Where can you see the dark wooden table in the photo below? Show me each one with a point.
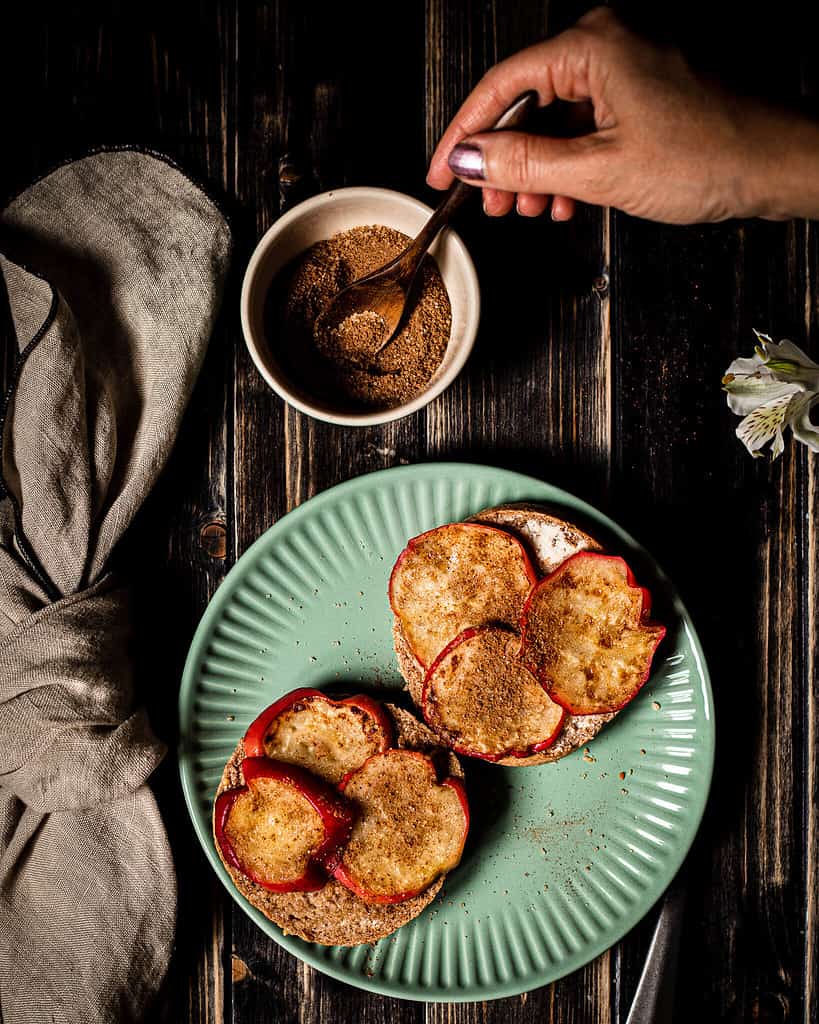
(598, 368)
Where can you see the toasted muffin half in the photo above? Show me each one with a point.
(334, 915)
(549, 541)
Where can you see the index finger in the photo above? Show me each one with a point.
(557, 68)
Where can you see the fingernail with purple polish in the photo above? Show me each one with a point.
(466, 160)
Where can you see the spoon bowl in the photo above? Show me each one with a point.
(381, 300)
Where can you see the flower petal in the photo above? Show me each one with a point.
(778, 445)
(763, 424)
(742, 367)
(800, 422)
(746, 394)
(776, 387)
(787, 362)
(788, 351)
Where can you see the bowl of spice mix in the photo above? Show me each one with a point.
(311, 253)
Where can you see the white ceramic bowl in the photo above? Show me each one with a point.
(325, 215)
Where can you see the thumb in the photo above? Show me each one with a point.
(519, 162)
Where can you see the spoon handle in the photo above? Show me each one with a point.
(513, 117)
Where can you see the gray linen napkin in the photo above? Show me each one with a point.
(129, 259)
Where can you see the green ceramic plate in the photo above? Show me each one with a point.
(562, 859)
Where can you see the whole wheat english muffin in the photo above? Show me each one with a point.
(549, 541)
(334, 915)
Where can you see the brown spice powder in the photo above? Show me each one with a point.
(304, 289)
(356, 337)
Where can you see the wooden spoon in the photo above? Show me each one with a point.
(384, 293)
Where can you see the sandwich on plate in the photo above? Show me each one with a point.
(518, 636)
(339, 819)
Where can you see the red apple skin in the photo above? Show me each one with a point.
(527, 561)
(254, 737)
(340, 872)
(536, 748)
(645, 609)
(335, 813)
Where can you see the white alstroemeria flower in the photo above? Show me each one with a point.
(775, 388)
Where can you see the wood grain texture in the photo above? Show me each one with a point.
(735, 536)
(536, 395)
(311, 129)
(688, 491)
(809, 626)
(808, 621)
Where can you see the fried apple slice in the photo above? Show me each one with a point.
(587, 636)
(409, 828)
(484, 702)
(284, 828)
(328, 737)
(456, 577)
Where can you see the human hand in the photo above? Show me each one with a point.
(668, 145)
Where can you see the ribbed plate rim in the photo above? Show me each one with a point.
(555, 496)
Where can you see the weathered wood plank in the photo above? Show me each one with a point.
(808, 622)
(195, 111)
(312, 127)
(536, 394)
(810, 630)
(726, 529)
(810, 967)
(689, 491)
(315, 122)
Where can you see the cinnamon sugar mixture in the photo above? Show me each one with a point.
(331, 367)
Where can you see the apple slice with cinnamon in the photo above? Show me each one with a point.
(284, 829)
(587, 635)
(328, 737)
(484, 702)
(409, 830)
(456, 577)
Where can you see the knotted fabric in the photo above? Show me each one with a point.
(113, 267)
